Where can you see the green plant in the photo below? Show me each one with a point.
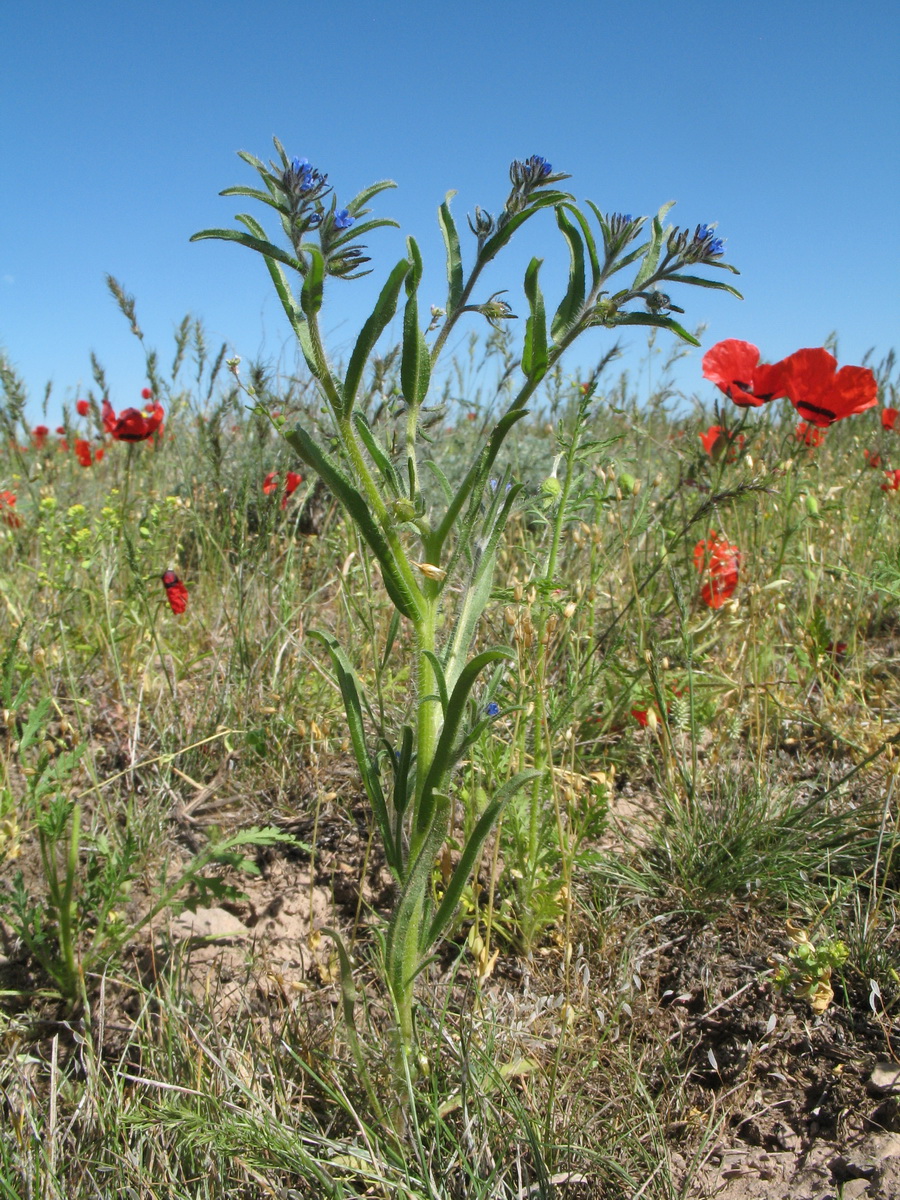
(425, 552)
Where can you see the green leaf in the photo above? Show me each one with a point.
(401, 763)
(699, 281)
(313, 290)
(393, 630)
(378, 455)
(651, 259)
(356, 205)
(261, 246)
(385, 307)
(254, 194)
(454, 254)
(588, 239)
(659, 321)
(282, 287)
(535, 355)
(368, 769)
(398, 588)
(406, 920)
(573, 301)
(34, 726)
(478, 592)
(358, 231)
(441, 682)
(415, 363)
(471, 850)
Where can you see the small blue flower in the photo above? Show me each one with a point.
(493, 709)
(343, 219)
(713, 246)
(539, 165)
(303, 172)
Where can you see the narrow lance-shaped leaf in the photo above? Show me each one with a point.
(415, 362)
(356, 205)
(699, 281)
(439, 679)
(386, 468)
(589, 241)
(398, 588)
(347, 681)
(654, 319)
(282, 287)
(651, 259)
(403, 960)
(253, 194)
(252, 243)
(385, 307)
(471, 850)
(454, 254)
(535, 354)
(573, 301)
(313, 290)
(401, 762)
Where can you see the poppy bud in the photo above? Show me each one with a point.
(812, 506)
(551, 487)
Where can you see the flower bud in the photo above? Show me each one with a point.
(551, 487)
(812, 506)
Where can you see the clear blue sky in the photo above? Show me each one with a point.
(779, 120)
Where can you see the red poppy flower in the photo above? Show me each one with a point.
(291, 482)
(39, 434)
(872, 460)
(889, 417)
(82, 407)
(821, 393)
(146, 394)
(735, 369)
(809, 435)
(132, 425)
(640, 715)
(85, 454)
(720, 563)
(176, 592)
(716, 441)
(893, 481)
(7, 515)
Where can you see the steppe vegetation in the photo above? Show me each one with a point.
(395, 806)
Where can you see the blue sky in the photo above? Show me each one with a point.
(778, 120)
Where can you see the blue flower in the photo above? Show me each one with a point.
(493, 709)
(303, 174)
(343, 219)
(539, 165)
(712, 245)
